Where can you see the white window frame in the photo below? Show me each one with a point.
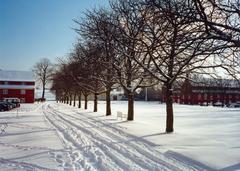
(5, 91)
(22, 91)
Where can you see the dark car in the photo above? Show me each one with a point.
(10, 105)
(237, 104)
(14, 101)
(4, 107)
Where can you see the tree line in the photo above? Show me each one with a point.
(134, 44)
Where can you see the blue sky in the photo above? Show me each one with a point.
(35, 29)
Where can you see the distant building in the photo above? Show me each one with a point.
(49, 95)
(117, 94)
(208, 92)
(17, 84)
(149, 94)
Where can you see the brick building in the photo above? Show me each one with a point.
(17, 84)
(208, 92)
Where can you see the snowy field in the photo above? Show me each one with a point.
(53, 136)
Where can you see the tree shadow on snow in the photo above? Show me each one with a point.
(188, 161)
(231, 168)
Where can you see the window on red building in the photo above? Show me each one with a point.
(5, 91)
(23, 92)
(205, 96)
(199, 96)
(211, 97)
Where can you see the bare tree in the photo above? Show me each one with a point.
(175, 46)
(97, 28)
(86, 69)
(129, 23)
(221, 19)
(43, 72)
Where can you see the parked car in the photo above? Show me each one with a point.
(4, 107)
(40, 99)
(13, 100)
(237, 104)
(10, 105)
(204, 104)
(218, 104)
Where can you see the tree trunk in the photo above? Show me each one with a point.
(130, 106)
(169, 109)
(74, 100)
(95, 102)
(67, 100)
(108, 103)
(70, 100)
(43, 92)
(79, 101)
(85, 101)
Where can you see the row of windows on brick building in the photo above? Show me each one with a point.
(5, 92)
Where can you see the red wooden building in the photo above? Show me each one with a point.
(208, 92)
(17, 84)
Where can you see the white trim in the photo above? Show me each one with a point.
(5, 91)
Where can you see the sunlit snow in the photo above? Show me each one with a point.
(53, 136)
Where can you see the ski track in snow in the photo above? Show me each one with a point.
(22, 166)
(94, 145)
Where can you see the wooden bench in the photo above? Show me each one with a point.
(121, 115)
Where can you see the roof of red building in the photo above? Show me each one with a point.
(26, 76)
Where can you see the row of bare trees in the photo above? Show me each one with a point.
(141, 43)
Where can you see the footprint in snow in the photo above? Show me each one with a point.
(59, 160)
(51, 153)
(59, 156)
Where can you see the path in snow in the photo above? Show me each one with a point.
(92, 144)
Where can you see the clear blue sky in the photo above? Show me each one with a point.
(35, 29)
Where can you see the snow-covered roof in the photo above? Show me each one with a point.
(27, 87)
(26, 76)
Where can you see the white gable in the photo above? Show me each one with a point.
(26, 76)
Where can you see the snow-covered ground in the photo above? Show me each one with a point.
(48, 94)
(52, 136)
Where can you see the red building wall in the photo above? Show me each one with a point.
(189, 94)
(28, 97)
